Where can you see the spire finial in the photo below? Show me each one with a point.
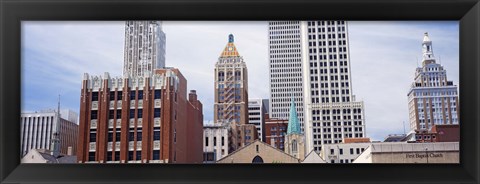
(230, 38)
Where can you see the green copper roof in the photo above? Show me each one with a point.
(293, 122)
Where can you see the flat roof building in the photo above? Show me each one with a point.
(145, 119)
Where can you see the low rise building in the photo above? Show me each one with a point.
(215, 142)
(345, 152)
(258, 152)
(402, 152)
(42, 156)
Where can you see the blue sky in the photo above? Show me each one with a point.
(383, 59)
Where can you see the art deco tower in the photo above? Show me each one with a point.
(144, 48)
(311, 60)
(432, 99)
(231, 95)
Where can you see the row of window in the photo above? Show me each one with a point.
(117, 95)
(116, 155)
(111, 113)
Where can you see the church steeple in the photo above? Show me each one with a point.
(428, 56)
(230, 50)
(293, 122)
(55, 141)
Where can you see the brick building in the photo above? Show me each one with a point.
(439, 133)
(139, 119)
(275, 130)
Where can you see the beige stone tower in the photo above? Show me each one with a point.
(231, 96)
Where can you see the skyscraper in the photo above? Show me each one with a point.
(311, 60)
(432, 99)
(286, 69)
(144, 47)
(231, 96)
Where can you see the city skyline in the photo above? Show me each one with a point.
(46, 45)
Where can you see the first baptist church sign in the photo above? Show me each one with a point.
(423, 155)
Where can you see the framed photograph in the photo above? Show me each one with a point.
(97, 90)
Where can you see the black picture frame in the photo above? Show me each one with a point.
(12, 12)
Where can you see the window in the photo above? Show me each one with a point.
(132, 113)
(131, 135)
(93, 115)
(257, 149)
(156, 113)
(140, 94)
(332, 151)
(139, 155)
(94, 96)
(110, 137)
(139, 113)
(117, 155)
(112, 95)
(156, 135)
(223, 141)
(93, 137)
(341, 151)
(117, 136)
(206, 141)
(158, 94)
(156, 154)
(119, 95)
(130, 155)
(358, 150)
(351, 151)
(109, 156)
(132, 95)
(119, 114)
(139, 136)
(91, 156)
(214, 141)
(111, 114)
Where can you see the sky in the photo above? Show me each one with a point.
(383, 57)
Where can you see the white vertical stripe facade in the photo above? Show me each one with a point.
(285, 69)
(37, 129)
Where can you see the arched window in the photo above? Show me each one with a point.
(294, 146)
(257, 160)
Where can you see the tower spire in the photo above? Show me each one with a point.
(293, 122)
(230, 50)
(428, 56)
